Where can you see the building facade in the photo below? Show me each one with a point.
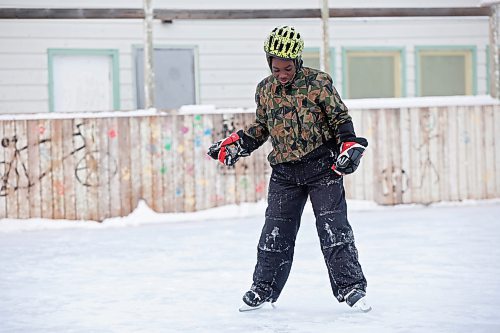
(97, 64)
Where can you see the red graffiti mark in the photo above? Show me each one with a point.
(260, 187)
(41, 130)
(217, 199)
(112, 133)
(184, 130)
(59, 187)
(190, 170)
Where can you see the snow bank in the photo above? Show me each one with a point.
(143, 214)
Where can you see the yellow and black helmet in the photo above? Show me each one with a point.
(284, 42)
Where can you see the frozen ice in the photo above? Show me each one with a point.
(429, 269)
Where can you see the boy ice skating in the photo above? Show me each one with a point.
(314, 145)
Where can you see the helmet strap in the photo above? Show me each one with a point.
(298, 62)
(269, 61)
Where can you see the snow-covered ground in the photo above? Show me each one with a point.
(429, 269)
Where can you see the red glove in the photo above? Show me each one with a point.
(228, 151)
(350, 156)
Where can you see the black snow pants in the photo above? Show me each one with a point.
(290, 186)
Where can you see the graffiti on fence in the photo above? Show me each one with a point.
(198, 130)
(427, 167)
(112, 133)
(392, 178)
(465, 137)
(15, 171)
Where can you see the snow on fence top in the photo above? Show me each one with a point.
(420, 102)
(353, 104)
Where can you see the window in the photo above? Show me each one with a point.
(175, 76)
(83, 80)
(373, 73)
(312, 58)
(445, 71)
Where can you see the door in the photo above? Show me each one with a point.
(83, 80)
(175, 82)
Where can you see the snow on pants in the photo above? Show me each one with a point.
(290, 186)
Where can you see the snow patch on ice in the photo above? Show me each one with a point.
(275, 233)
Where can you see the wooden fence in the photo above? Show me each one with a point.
(99, 167)
(425, 155)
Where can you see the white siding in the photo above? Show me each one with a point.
(230, 56)
(24, 60)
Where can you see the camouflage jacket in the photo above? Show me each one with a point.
(298, 117)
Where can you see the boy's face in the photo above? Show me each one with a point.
(283, 70)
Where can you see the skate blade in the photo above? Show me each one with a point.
(362, 305)
(245, 307)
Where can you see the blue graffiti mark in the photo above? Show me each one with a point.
(197, 141)
(207, 132)
(151, 148)
(178, 191)
(44, 152)
(466, 137)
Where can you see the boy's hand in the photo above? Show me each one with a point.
(228, 151)
(350, 155)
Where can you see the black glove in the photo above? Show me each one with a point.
(229, 150)
(351, 152)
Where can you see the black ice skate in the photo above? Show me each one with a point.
(255, 298)
(357, 299)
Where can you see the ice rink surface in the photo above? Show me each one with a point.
(429, 269)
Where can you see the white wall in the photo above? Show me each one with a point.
(24, 60)
(231, 60)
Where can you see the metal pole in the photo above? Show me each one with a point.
(494, 51)
(325, 16)
(149, 76)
